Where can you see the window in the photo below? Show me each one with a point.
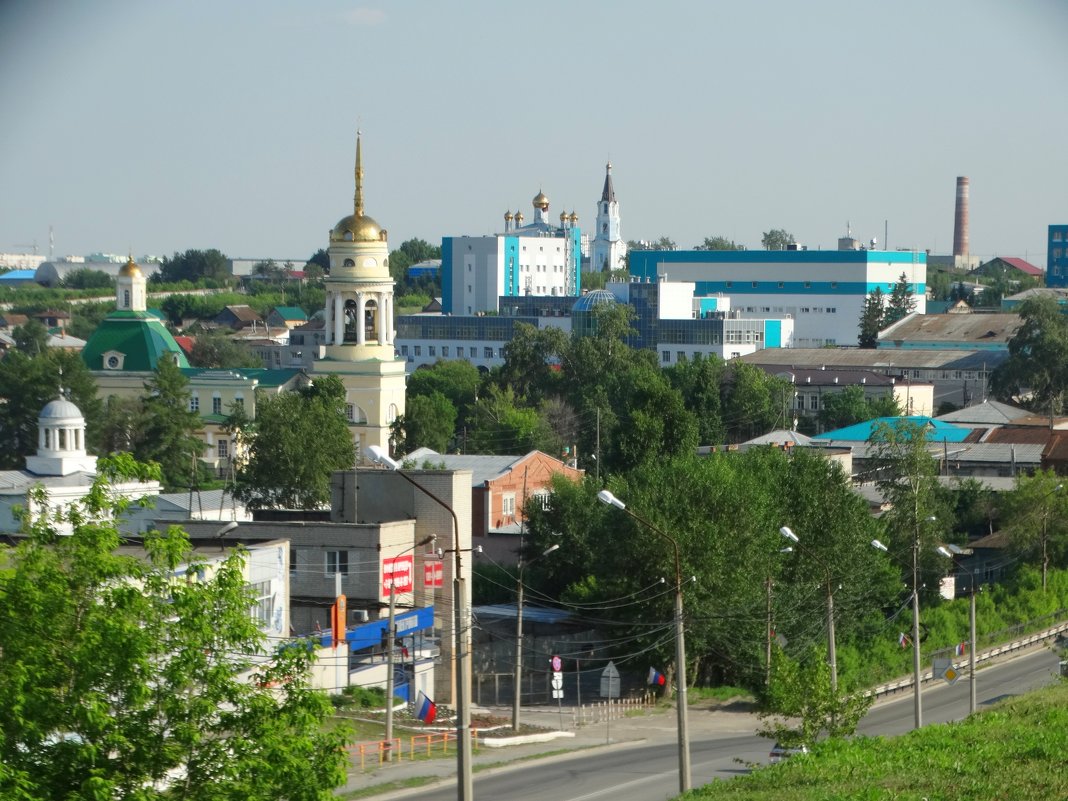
(814, 402)
(222, 448)
(729, 284)
(665, 356)
(508, 505)
(541, 497)
(418, 350)
(350, 412)
(404, 350)
(680, 355)
(756, 284)
(808, 285)
(194, 403)
(262, 602)
(337, 562)
(432, 350)
(293, 562)
(1058, 236)
(473, 352)
(487, 353)
(781, 285)
(445, 351)
(216, 405)
(239, 402)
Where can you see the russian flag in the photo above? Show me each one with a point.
(425, 709)
(656, 678)
(962, 648)
(904, 640)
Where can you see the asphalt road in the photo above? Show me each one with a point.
(648, 771)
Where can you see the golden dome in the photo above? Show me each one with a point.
(541, 201)
(563, 216)
(508, 215)
(574, 217)
(356, 229)
(519, 216)
(130, 269)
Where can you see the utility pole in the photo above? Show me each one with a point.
(767, 644)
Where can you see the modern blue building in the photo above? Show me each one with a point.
(1057, 256)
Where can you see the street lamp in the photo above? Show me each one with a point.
(604, 496)
(951, 552)
(389, 648)
(519, 633)
(1045, 526)
(832, 661)
(464, 782)
(917, 705)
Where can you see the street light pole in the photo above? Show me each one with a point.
(604, 496)
(464, 780)
(519, 635)
(389, 650)
(832, 660)
(949, 553)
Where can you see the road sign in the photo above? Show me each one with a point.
(610, 681)
(557, 664)
(558, 684)
(433, 574)
(945, 669)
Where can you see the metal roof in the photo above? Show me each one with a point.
(987, 412)
(881, 360)
(483, 468)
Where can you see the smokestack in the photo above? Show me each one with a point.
(960, 219)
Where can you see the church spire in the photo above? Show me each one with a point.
(357, 200)
(608, 194)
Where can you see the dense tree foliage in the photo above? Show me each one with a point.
(871, 319)
(1036, 372)
(215, 349)
(168, 436)
(88, 278)
(901, 302)
(718, 243)
(147, 677)
(1036, 515)
(296, 441)
(777, 239)
(193, 265)
(849, 405)
(27, 383)
(429, 421)
(31, 337)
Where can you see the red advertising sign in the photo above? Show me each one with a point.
(433, 574)
(397, 572)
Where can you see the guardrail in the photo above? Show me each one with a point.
(980, 656)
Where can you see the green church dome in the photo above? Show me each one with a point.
(131, 341)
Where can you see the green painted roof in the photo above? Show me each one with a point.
(266, 377)
(291, 312)
(139, 336)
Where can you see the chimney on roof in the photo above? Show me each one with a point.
(960, 219)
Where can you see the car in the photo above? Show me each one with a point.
(779, 752)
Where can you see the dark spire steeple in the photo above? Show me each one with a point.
(608, 194)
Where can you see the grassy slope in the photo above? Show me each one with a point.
(1016, 750)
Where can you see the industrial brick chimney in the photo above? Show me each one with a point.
(960, 219)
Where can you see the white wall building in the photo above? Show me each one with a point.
(608, 250)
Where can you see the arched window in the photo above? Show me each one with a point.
(370, 320)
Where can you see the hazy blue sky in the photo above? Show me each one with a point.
(160, 125)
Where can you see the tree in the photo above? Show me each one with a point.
(410, 252)
(753, 401)
(321, 259)
(216, 350)
(86, 278)
(849, 406)
(170, 428)
(777, 239)
(718, 243)
(531, 362)
(663, 243)
(296, 441)
(268, 270)
(1036, 515)
(499, 424)
(429, 421)
(194, 265)
(699, 380)
(147, 677)
(457, 380)
(27, 383)
(871, 319)
(1036, 372)
(901, 303)
(31, 338)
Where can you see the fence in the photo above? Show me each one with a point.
(419, 746)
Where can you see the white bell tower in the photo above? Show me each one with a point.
(608, 248)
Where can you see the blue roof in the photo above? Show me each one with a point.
(18, 275)
(599, 297)
(937, 431)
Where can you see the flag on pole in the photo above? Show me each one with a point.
(904, 640)
(656, 678)
(425, 709)
(962, 648)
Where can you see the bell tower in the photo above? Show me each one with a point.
(359, 323)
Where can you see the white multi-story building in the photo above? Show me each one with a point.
(823, 291)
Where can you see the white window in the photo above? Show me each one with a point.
(216, 405)
(194, 403)
(337, 562)
(222, 448)
(814, 402)
(665, 356)
(262, 602)
(541, 497)
(508, 505)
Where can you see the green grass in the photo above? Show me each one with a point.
(1016, 750)
(723, 694)
(387, 787)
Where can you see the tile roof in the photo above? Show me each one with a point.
(1023, 266)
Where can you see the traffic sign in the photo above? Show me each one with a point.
(610, 681)
(557, 664)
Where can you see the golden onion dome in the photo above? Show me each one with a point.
(356, 229)
(519, 216)
(130, 269)
(574, 217)
(508, 215)
(541, 201)
(563, 216)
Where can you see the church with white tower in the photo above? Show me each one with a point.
(608, 250)
(359, 331)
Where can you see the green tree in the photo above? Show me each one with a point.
(170, 428)
(718, 243)
(457, 380)
(849, 406)
(699, 380)
(148, 678)
(663, 243)
(1036, 515)
(410, 252)
(429, 421)
(753, 402)
(321, 259)
(194, 265)
(27, 383)
(531, 361)
(122, 426)
(268, 270)
(499, 424)
(901, 302)
(777, 239)
(31, 338)
(1036, 372)
(215, 349)
(296, 441)
(871, 319)
(87, 278)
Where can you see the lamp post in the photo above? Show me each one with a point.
(389, 649)
(832, 661)
(1045, 527)
(917, 678)
(950, 553)
(464, 782)
(519, 635)
(604, 496)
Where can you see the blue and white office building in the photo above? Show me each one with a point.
(1057, 257)
(822, 291)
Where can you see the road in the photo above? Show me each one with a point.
(648, 771)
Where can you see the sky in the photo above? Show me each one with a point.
(154, 127)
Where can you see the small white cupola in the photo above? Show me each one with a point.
(131, 291)
(60, 441)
